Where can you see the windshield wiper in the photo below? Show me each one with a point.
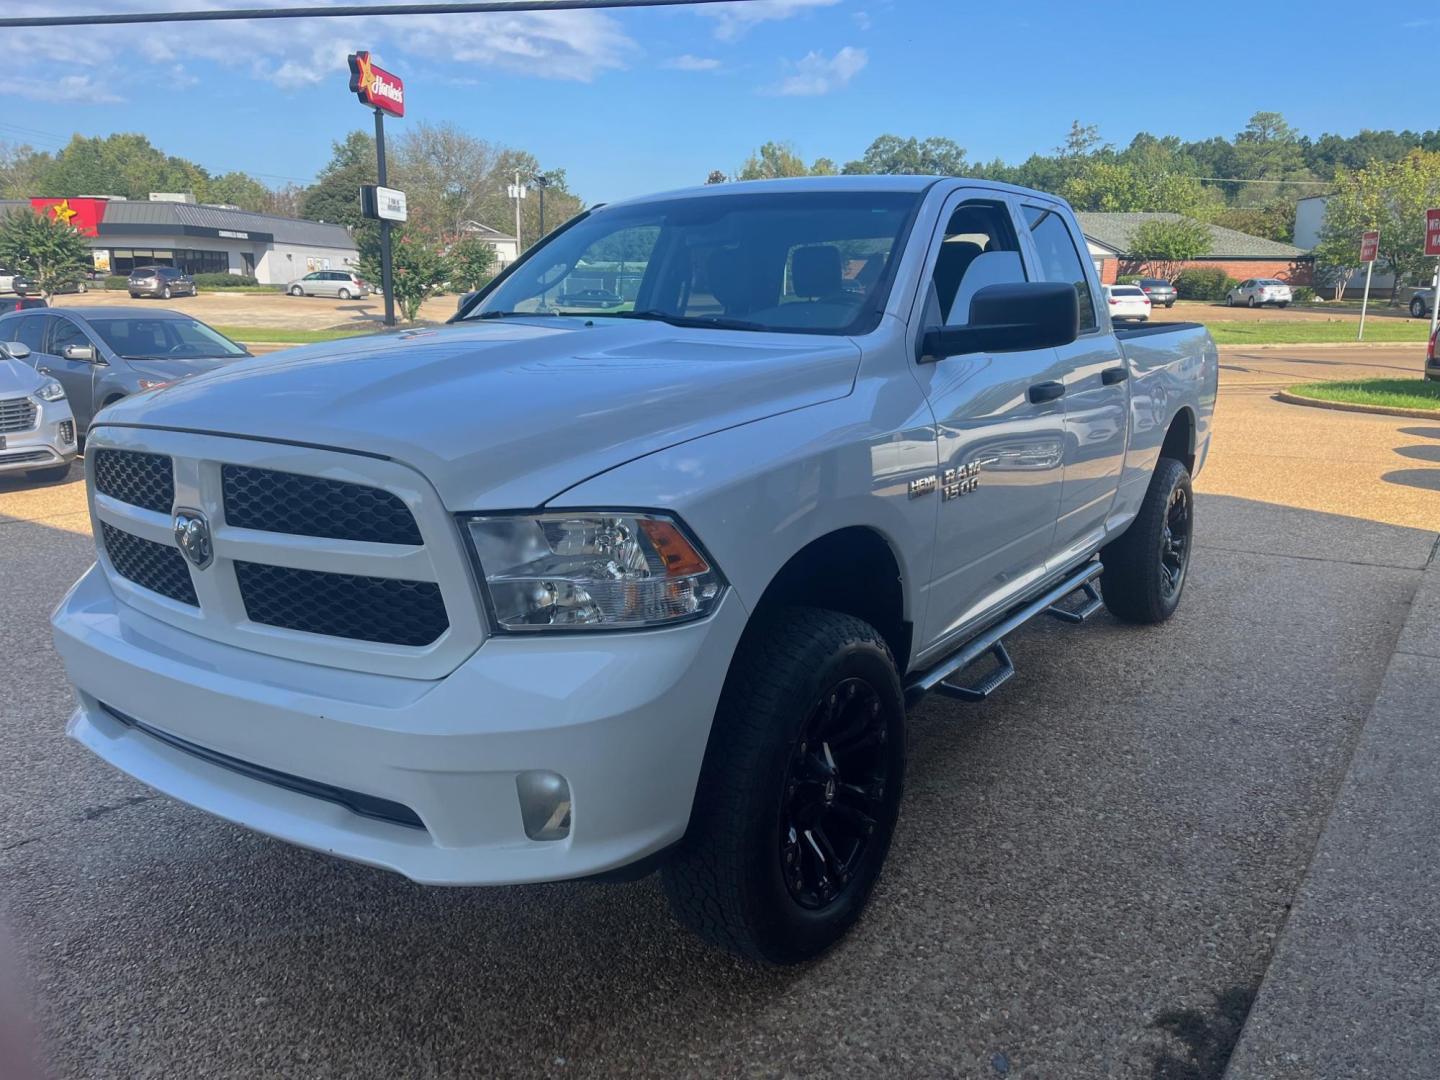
(715, 322)
(514, 315)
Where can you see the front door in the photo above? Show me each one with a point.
(77, 376)
(1000, 428)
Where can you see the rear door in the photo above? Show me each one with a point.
(1096, 378)
(999, 427)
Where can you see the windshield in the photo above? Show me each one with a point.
(794, 261)
(164, 339)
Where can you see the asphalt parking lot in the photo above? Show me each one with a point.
(1088, 879)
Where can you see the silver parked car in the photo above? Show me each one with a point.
(37, 430)
(1256, 292)
(102, 354)
(341, 284)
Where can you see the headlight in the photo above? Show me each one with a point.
(591, 570)
(50, 390)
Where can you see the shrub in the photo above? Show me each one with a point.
(1128, 279)
(1302, 294)
(224, 281)
(1200, 283)
(117, 281)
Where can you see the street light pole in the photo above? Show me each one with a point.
(541, 182)
(387, 283)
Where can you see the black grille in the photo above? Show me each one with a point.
(369, 806)
(29, 455)
(17, 414)
(145, 480)
(150, 565)
(312, 506)
(343, 605)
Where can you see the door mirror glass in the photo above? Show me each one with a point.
(79, 352)
(1010, 318)
(16, 350)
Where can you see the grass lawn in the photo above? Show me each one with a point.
(1388, 393)
(1298, 332)
(279, 334)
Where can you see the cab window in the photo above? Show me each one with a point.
(64, 332)
(1059, 259)
(979, 248)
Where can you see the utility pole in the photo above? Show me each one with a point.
(517, 192)
(541, 182)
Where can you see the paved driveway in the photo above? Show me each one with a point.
(1087, 881)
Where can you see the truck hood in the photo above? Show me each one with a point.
(507, 414)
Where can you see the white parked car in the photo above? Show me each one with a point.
(1255, 292)
(1127, 302)
(341, 284)
(37, 430)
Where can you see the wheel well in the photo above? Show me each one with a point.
(852, 570)
(1180, 440)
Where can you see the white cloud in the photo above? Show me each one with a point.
(75, 89)
(692, 63)
(294, 53)
(862, 19)
(817, 74)
(735, 20)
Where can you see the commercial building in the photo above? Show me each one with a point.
(1110, 237)
(200, 239)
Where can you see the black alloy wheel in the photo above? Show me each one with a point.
(834, 794)
(1175, 542)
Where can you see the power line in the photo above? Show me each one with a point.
(1237, 180)
(236, 14)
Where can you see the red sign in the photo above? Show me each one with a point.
(1432, 232)
(84, 215)
(1369, 246)
(375, 86)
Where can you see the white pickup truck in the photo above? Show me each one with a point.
(581, 587)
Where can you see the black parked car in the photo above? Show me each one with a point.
(24, 285)
(1159, 290)
(161, 281)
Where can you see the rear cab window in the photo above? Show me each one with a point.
(1060, 259)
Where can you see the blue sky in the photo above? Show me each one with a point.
(648, 99)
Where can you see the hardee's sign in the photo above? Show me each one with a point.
(375, 86)
(84, 215)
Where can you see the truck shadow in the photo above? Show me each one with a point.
(1081, 861)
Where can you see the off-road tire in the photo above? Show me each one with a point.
(726, 880)
(1133, 584)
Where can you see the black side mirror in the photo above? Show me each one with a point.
(1009, 318)
(465, 298)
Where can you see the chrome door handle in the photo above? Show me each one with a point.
(1046, 391)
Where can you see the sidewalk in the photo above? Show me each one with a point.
(1352, 986)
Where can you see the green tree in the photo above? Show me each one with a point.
(53, 253)
(418, 268)
(1116, 186)
(335, 195)
(472, 263)
(1166, 244)
(20, 170)
(890, 155)
(773, 161)
(716, 177)
(1083, 140)
(1274, 222)
(1391, 196)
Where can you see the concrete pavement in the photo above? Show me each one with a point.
(1090, 875)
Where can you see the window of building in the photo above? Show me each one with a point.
(192, 261)
(1059, 260)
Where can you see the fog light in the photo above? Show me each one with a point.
(544, 804)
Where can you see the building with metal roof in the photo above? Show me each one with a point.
(1110, 238)
(203, 239)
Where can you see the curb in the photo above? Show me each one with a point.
(1323, 345)
(1347, 988)
(1342, 406)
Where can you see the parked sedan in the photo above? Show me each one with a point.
(37, 430)
(1421, 302)
(341, 284)
(102, 354)
(161, 281)
(1127, 302)
(24, 285)
(1159, 290)
(1256, 292)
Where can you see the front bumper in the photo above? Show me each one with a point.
(624, 717)
(49, 443)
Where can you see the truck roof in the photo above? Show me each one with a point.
(825, 183)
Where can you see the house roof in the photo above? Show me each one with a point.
(135, 215)
(1117, 231)
(485, 232)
